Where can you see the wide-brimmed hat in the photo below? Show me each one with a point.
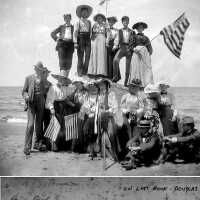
(39, 66)
(151, 88)
(135, 26)
(163, 84)
(135, 83)
(62, 76)
(144, 124)
(81, 7)
(99, 15)
(105, 81)
(112, 18)
(91, 85)
(188, 120)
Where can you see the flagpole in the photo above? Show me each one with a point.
(106, 8)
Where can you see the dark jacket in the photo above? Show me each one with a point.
(29, 86)
(151, 143)
(140, 40)
(61, 31)
(121, 35)
(192, 136)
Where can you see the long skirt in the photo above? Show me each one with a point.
(141, 66)
(98, 56)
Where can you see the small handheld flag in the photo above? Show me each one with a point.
(53, 129)
(173, 34)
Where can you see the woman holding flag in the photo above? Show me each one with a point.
(141, 61)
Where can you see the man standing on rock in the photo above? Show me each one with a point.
(65, 45)
(33, 94)
(82, 38)
(122, 41)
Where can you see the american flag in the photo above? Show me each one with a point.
(173, 34)
(71, 125)
(53, 129)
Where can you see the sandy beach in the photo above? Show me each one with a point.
(14, 163)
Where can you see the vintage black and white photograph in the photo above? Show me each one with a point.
(99, 88)
(101, 188)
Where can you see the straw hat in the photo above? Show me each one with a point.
(104, 81)
(136, 25)
(62, 76)
(112, 19)
(99, 15)
(39, 66)
(163, 84)
(81, 7)
(188, 120)
(135, 83)
(151, 88)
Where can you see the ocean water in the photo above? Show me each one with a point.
(12, 104)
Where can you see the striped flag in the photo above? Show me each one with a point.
(53, 129)
(71, 125)
(173, 34)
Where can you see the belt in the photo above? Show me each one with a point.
(125, 43)
(84, 34)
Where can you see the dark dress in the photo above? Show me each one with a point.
(111, 35)
(166, 113)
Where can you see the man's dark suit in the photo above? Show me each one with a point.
(35, 111)
(122, 52)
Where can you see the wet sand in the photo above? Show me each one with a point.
(14, 163)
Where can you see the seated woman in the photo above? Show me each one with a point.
(59, 103)
(132, 107)
(151, 106)
(88, 113)
(167, 110)
(80, 96)
(108, 108)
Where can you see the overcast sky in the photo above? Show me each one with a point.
(26, 26)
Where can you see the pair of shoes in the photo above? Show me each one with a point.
(54, 147)
(129, 165)
(36, 146)
(40, 147)
(27, 152)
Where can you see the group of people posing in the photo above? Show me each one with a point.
(138, 127)
(101, 46)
